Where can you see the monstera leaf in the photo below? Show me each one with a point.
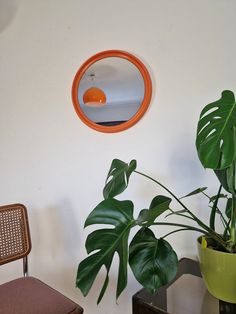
(215, 133)
(158, 206)
(105, 242)
(153, 261)
(118, 177)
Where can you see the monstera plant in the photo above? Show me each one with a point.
(152, 260)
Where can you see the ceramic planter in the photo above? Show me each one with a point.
(219, 272)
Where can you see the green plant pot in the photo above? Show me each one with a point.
(219, 272)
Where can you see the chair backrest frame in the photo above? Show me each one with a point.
(15, 242)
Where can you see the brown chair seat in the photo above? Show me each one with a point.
(29, 295)
(26, 295)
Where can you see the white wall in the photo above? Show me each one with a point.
(55, 165)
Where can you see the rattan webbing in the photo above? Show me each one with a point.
(14, 233)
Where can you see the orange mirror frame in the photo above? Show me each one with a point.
(145, 102)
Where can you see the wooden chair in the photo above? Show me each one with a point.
(25, 295)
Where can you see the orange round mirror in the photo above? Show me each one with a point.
(111, 91)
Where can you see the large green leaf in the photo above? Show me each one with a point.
(153, 261)
(118, 177)
(105, 242)
(158, 206)
(215, 133)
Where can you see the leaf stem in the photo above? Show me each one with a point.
(223, 220)
(199, 222)
(213, 210)
(233, 220)
(187, 227)
(182, 229)
(215, 237)
(178, 213)
(231, 178)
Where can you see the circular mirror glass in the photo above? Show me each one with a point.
(111, 91)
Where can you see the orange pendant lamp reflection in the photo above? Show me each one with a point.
(94, 96)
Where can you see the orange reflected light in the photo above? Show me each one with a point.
(94, 97)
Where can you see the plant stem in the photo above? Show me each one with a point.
(227, 229)
(214, 209)
(182, 215)
(200, 223)
(187, 227)
(231, 177)
(182, 229)
(178, 213)
(233, 220)
(223, 220)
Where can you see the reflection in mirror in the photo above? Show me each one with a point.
(111, 91)
(123, 86)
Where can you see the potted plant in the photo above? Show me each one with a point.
(153, 261)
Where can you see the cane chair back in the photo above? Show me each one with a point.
(14, 233)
